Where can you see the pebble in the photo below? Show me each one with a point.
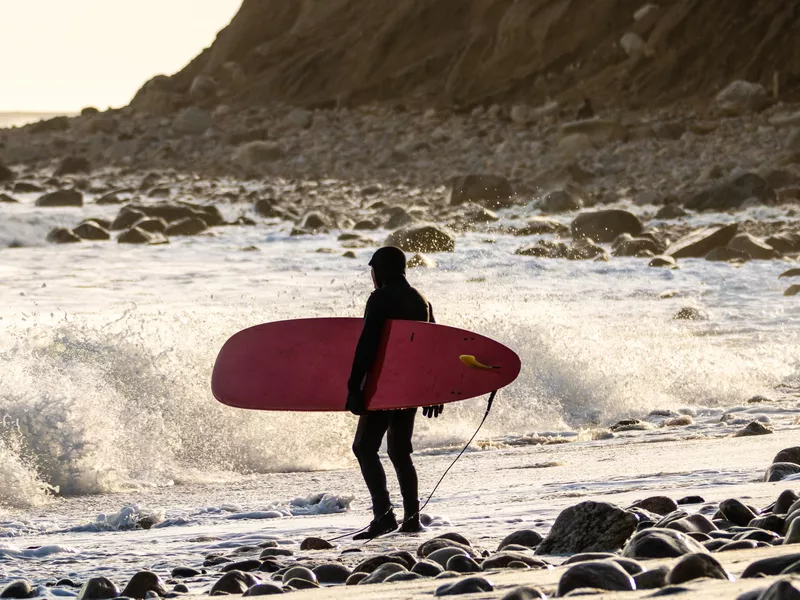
(314, 543)
(783, 589)
(180, 588)
(736, 512)
(98, 588)
(403, 576)
(754, 428)
(661, 543)
(770, 566)
(470, 585)
(788, 455)
(234, 582)
(143, 582)
(785, 501)
(501, 560)
(275, 552)
(793, 534)
(427, 568)
(300, 584)
(525, 592)
(697, 566)
(603, 575)
(18, 589)
(464, 564)
(380, 574)
(434, 544)
(331, 573)
(183, 572)
(653, 579)
(264, 589)
(242, 565)
(300, 573)
(524, 537)
(356, 578)
(443, 555)
(660, 505)
(780, 471)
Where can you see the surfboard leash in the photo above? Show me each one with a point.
(492, 396)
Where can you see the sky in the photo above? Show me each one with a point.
(64, 55)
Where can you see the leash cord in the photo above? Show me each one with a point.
(441, 479)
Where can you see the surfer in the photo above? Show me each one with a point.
(393, 298)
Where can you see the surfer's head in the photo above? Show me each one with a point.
(388, 262)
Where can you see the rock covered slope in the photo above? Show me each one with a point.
(468, 52)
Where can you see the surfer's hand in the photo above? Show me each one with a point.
(355, 403)
(432, 411)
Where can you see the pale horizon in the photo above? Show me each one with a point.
(60, 57)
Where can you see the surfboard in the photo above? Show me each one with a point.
(304, 365)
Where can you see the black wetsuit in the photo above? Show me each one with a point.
(395, 299)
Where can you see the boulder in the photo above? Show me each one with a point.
(702, 241)
(300, 118)
(585, 249)
(126, 218)
(792, 290)
(462, 564)
(732, 194)
(589, 527)
(142, 583)
(652, 579)
(663, 261)
(490, 191)
(783, 589)
(605, 225)
(540, 227)
(427, 568)
(725, 254)
(420, 261)
(560, 201)
(21, 588)
(98, 588)
(192, 121)
(754, 428)
(151, 225)
(443, 555)
(780, 471)
(742, 97)
(203, 88)
(790, 273)
(256, 154)
(138, 236)
(62, 235)
(753, 246)
(91, 230)
(6, 199)
(697, 566)
(600, 131)
(670, 211)
(661, 543)
(785, 242)
(299, 572)
(525, 537)
(599, 574)
(234, 582)
(627, 245)
(788, 455)
(188, 226)
(422, 238)
(61, 198)
(73, 164)
(6, 174)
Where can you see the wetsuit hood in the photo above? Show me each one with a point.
(389, 263)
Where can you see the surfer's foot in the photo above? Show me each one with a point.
(412, 525)
(382, 525)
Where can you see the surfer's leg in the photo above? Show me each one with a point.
(401, 428)
(372, 427)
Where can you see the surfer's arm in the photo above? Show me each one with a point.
(368, 343)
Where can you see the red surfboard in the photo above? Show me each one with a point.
(304, 365)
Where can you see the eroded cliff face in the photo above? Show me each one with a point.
(466, 52)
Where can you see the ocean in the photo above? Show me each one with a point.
(106, 353)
